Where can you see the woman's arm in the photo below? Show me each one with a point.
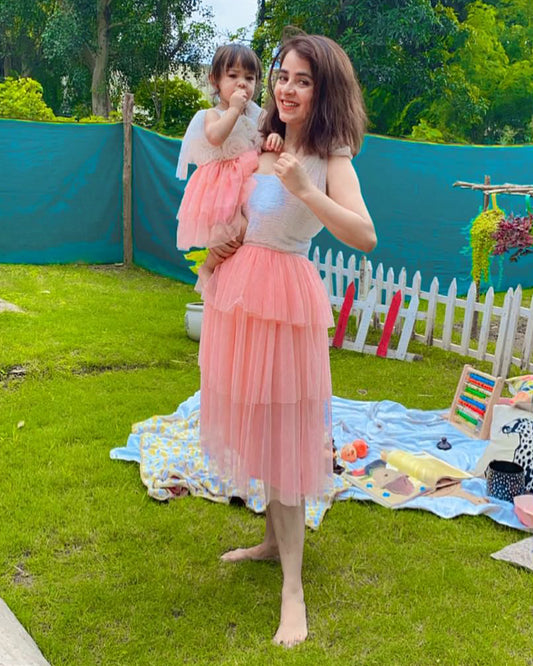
(342, 210)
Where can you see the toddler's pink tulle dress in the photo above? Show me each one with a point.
(264, 352)
(209, 213)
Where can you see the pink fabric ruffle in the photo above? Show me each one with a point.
(270, 284)
(266, 385)
(209, 213)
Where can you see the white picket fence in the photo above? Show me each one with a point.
(505, 333)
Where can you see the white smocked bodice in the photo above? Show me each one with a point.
(279, 220)
(196, 149)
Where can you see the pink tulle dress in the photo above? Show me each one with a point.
(264, 352)
(209, 213)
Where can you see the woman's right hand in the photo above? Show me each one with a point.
(292, 174)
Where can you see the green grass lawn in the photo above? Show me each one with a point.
(99, 573)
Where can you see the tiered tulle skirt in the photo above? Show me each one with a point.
(266, 385)
(209, 213)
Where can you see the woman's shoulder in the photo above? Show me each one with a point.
(341, 151)
(336, 166)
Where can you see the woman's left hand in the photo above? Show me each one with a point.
(292, 174)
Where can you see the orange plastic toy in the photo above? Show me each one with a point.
(357, 449)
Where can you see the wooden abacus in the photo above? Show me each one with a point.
(476, 394)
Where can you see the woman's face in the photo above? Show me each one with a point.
(293, 91)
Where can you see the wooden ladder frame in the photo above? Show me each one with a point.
(476, 420)
(366, 311)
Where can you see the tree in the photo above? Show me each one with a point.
(21, 25)
(395, 45)
(23, 99)
(453, 70)
(168, 104)
(86, 48)
(488, 92)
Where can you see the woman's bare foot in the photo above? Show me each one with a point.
(293, 623)
(264, 551)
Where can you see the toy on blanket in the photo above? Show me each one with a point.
(356, 449)
(522, 391)
(475, 397)
(443, 444)
(399, 476)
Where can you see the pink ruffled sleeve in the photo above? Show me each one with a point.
(191, 144)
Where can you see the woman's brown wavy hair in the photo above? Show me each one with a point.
(338, 116)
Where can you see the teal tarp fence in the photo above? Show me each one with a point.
(420, 216)
(156, 197)
(60, 200)
(60, 193)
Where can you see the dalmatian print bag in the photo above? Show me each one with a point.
(511, 438)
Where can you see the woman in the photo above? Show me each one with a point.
(264, 356)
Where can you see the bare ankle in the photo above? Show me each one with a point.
(293, 621)
(263, 551)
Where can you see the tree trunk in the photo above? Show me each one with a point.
(259, 45)
(100, 94)
(7, 65)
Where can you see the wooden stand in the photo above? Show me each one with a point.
(476, 394)
(127, 116)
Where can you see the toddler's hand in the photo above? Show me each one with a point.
(273, 143)
(238, 100)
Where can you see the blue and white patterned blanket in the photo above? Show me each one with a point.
(171, 461)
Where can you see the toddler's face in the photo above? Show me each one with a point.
(236, 79)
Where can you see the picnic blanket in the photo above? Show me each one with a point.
(171, 461)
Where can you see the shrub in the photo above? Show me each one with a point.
(425, 132)
(23, 99)
(167, 105)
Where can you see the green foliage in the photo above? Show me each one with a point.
(459, 107)
(87, 53)
(23, 99)
(197, 257)
(483, 242)
(115, 117)
(424, 132)
(167, 105)
(21, 25)
(395, 47)
(463, 69)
